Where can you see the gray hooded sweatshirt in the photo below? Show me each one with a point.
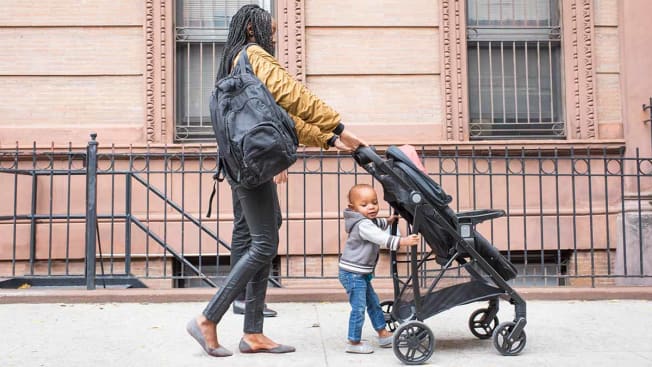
(366, 237)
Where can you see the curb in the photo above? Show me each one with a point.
(279, 295)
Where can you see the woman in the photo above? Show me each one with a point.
(316, 124)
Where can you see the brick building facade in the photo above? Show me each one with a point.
(440, 74)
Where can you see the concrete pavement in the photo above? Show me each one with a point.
(559, 333)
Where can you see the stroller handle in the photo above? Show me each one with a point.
(364, 155)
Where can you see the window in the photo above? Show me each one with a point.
(216, 268)
(200, 33)
(514, 69)
(540, 268)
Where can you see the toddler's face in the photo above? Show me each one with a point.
(365, 202)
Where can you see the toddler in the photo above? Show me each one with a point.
(366, 236)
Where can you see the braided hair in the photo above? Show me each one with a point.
(261, 24)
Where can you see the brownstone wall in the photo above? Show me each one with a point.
(396, 74)
(70, 67)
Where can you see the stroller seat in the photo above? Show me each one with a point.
(437, 232)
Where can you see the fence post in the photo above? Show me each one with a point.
(32, 217)
(91, 211)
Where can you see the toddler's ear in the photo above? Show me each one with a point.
(350, 206)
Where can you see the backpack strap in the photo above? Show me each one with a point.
(243, 63)
(217, 177)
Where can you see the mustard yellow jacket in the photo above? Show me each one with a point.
(314, 120)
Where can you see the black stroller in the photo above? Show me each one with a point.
(454, 246)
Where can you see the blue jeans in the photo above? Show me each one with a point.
(361, 296)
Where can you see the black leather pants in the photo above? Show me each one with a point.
(259, 207)
(240, 237)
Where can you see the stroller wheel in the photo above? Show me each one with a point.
(414, 342)
(506, 345)
(480, 326)
(387, 307)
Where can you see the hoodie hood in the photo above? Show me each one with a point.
(351, 218)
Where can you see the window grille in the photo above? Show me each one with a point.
(200, 33)
(514, 69)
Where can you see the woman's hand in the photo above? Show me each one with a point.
(348, 142)
(281, 178)
(349, 139)
(340, 145)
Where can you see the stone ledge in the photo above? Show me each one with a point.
(277, 295)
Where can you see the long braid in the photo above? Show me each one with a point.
(261, 23)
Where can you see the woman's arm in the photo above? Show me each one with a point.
(296, 99)
(310, 135)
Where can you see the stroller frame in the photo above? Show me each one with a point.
(425, 207)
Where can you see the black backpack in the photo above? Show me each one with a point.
(255, 136)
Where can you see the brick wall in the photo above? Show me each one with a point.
(581, 262)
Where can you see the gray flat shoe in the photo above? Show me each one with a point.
(385, 342)
(360, 348)
(193, 330)
(246, 348)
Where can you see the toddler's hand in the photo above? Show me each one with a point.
(410, 240)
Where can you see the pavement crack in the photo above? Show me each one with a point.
(321, 334)
(644, 356)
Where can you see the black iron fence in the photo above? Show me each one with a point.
(136, 217)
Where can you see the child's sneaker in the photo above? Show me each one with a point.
(360, 348)
(386, 342)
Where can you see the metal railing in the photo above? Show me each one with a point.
(574, 217)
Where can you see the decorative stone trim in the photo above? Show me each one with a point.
(291, 28)
(149, 70)
(157, 75)
(163, 68)
(452, 34)
(589, 123)
(581, 85)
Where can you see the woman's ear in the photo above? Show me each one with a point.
(250, 30)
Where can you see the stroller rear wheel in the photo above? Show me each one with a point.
(414, 342)
(504, 344)
(480, 326)
(387, 307)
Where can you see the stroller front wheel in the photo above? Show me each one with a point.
(480, 326)
(414, 343)
(507, 344)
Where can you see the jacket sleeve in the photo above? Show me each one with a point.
(310, 135)
(382, 223)
(295, 98)
(372, 233)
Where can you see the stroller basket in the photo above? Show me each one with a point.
(454, 245)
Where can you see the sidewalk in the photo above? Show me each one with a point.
(559, 333)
